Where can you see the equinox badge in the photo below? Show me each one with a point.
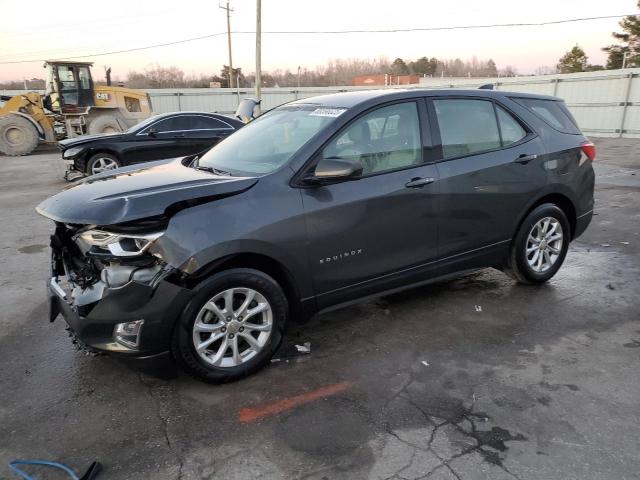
(340, 256)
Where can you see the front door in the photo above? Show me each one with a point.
(368, 234)
(166, 138)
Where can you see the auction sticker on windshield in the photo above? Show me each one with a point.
(328, 112)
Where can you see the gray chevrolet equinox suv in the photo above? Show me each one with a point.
(317, 203)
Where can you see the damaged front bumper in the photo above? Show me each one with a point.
(135, 318)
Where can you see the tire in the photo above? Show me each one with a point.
(104, 123)
(102, 162)
(18, 136)
(534, 257)
(216, 362)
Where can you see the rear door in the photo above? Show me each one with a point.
(372, 233)
(205, 132)
(491, 163)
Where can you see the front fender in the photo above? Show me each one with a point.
(268, 220)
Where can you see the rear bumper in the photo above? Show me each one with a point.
(159, 307)
(582, 222)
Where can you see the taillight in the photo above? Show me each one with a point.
(589, 149)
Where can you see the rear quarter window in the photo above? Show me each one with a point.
(553, 112)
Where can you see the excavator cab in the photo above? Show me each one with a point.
(69, 87)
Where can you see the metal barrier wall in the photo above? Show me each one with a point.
(605, 103)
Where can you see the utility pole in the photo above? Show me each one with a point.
(229, 10)
(258, 54)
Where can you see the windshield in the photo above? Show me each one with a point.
(269, 142)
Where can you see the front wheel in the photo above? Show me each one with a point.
(232, 326)
(540, 245)
(18, 136)
(101, 162)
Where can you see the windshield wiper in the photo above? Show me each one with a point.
(215, 171)
(204, 168)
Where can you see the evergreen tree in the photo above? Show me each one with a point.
(629, 44)
(575, 60)
(399, 67)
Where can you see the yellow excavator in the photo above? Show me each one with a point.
(71, 106)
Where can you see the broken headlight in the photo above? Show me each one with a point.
(117, 244)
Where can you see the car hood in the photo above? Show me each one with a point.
(81, 140)
(138, 192)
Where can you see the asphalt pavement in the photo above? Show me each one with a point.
(467, 379)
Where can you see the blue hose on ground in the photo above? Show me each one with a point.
(61, 466)
(93, 470)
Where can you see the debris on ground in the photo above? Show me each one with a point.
(304, 348)
(610, 286)
(425, 363)
(606, 245)
(292, 351)
(478, 308)
(624, 243)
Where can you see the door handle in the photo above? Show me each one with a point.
(524, 158)
(419, 182)
(180, 135)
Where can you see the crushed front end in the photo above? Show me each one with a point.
(116, 294)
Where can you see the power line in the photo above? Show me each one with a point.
(456, 27)
(340, 32)
(101, 54)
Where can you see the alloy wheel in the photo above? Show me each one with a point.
(544, 244)
(102, 164)
(232, 327)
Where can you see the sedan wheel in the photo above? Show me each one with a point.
(232, 327)
(102, 164)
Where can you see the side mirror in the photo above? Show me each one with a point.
(335, 169)
(152, 132)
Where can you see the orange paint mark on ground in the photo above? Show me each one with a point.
(246, 415)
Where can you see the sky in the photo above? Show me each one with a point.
(122, 24)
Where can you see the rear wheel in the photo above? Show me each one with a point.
(18, 136)
(104, 124)
(102, 162)
(540, 246)
(232, 326)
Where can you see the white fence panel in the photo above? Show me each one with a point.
(605, 103)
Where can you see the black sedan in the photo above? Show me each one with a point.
(168, 135)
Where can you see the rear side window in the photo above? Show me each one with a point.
(552, 112)
(200, 122)
(510, 128)
(466, 126)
